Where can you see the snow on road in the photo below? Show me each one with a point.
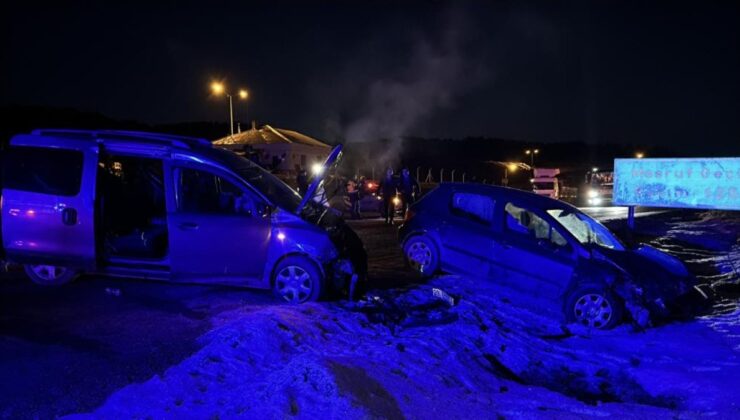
(406, 353)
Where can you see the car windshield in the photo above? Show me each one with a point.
(585, 229)
(278, 192)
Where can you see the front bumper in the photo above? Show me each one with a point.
(688, 304)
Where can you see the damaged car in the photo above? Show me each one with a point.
(546, 249)
(169, 208)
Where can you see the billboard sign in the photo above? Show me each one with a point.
(695, 183)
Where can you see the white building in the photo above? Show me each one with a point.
(271, 144)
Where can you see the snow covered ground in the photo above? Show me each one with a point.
(406, 353)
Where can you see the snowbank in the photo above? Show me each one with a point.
(407, 353)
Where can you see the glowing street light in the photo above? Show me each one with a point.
(639, 155)
(219, 89)
(531, 153)
(510, 167)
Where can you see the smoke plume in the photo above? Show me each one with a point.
(398, 104)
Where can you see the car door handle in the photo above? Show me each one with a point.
(188, 226)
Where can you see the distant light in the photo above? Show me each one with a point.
(243, 94)
(639, 155)
(536, 151)
(511, 167)
(396, 201)
(527, 152)
(218, 88)
(281, 236)
(594, 169)
(593, 193)
(531, 180)
(317, 168)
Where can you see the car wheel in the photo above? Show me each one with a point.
(421, 255)
(593, 306)
(297, 280)
(50, 275)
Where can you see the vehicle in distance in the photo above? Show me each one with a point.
(545, 248)
(545, 182)
(167, 207)
(599, 187)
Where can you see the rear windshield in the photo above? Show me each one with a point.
(42, 170)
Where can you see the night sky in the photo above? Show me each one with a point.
(653, 73)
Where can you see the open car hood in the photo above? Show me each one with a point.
(318, 179)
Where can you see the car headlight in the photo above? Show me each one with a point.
(593, 193)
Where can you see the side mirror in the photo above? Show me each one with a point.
(245, 206)
(264, 209)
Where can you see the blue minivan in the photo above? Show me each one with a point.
(171, 208)
(546, 249)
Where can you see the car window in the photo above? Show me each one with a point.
(526, 223)
(476, 207)
(43, 170)
(204, 192)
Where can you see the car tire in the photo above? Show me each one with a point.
(421, 255)
(50, 275)
(297, 279)
(593, 306)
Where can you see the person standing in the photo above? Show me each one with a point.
(388, 188)
(302, 181)
(409, 188)
(353, 191)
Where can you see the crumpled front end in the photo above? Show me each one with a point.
(654, 285)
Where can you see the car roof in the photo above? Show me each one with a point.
(524, 197)
(133, 137)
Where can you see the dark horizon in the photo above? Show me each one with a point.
(658, 74)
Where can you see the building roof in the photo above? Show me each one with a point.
(269, 135)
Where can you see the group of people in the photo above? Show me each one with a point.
(405, 186)
(263, 159)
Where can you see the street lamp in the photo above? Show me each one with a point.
(218, 89)
(639, 155)
(510, 167)
(531, 153)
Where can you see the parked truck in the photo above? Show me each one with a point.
(545, 182)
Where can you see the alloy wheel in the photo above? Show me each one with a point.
(593, 310)
(294, 284)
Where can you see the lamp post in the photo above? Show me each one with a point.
(218, 88)
(531, 153)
